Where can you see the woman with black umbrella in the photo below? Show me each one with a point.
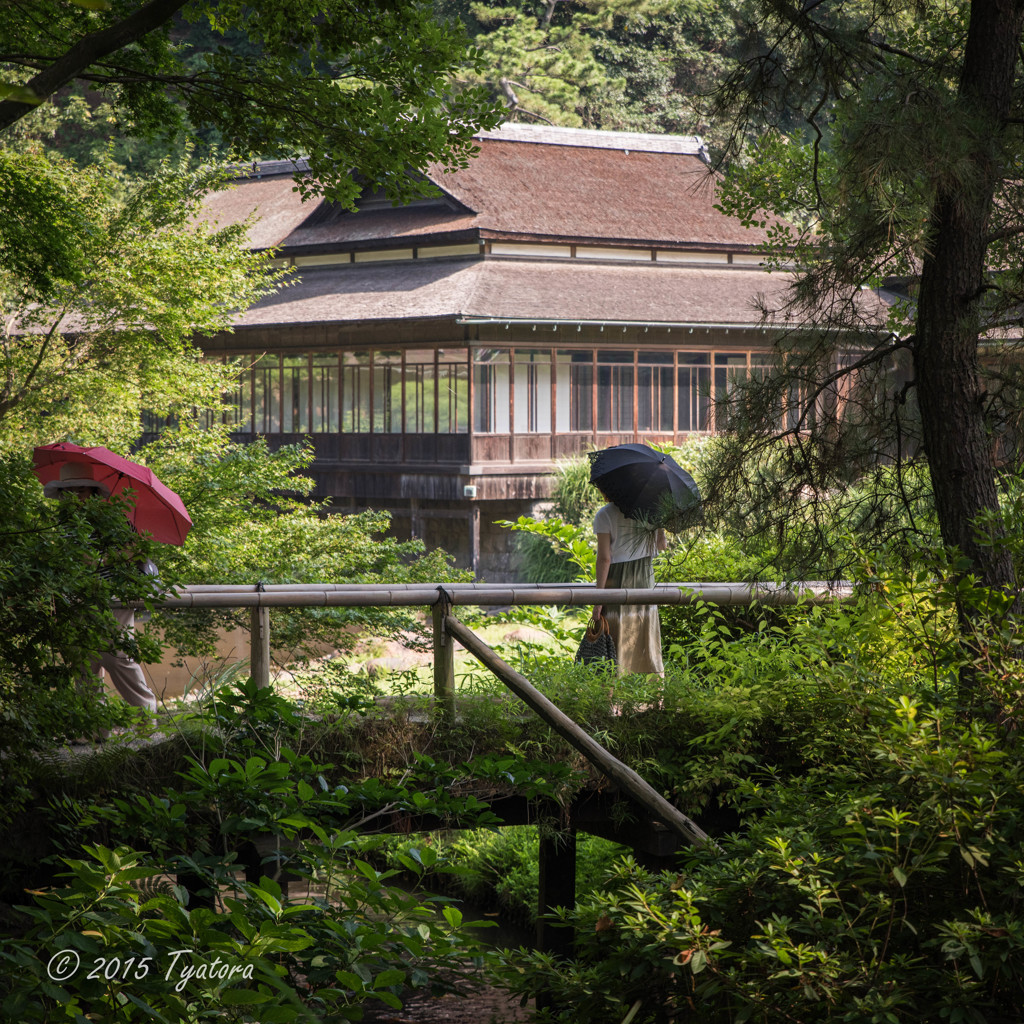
(645, 490)
(625, 554)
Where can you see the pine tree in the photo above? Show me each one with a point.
(906, 175)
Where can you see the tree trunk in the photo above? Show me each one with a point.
(953, 280)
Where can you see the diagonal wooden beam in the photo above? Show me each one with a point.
(622, 775)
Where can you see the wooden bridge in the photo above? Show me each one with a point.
(661, 827)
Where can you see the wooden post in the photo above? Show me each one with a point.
(622, 775)
(444, 657)
(259, 646)
(474, 540)
(556, 888)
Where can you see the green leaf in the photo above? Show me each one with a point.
(145, 1007)
(19, 94)
(270, 900)
(242, 996)
(367, 870)
(350, 980)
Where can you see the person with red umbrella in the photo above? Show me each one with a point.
(70, 471)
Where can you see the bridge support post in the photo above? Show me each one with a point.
(259, 646)
(444, 657)
(556, 888)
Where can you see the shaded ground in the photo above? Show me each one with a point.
(489, 1006)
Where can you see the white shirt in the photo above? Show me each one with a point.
(629, 539)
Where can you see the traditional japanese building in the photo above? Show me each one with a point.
(568, 290)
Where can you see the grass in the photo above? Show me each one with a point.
(549, 634)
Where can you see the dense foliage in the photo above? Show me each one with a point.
(342, 85)
(103, 292)
(619, 65)
(873, 871)
(53, 616)
(866, 805)
(254, 523)
(868, 867)
(53, 596)
(151, 918)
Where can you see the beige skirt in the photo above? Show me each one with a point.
(635, 628)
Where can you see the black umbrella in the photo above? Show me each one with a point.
(646, 485)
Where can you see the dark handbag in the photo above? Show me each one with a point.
(597, 643)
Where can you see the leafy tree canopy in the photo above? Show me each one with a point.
(349, 86)
(102, 292)
(253, 523)
(628, 65)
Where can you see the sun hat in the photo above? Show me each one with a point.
(76, 474)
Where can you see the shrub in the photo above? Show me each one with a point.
(875, 872)
(543, 558)
(889, 896)
(497, 869)
(153, 889)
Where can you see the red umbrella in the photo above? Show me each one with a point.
(155, 510)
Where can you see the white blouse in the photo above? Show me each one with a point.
(629, 539)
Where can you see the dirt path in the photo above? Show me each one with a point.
(489, 1006)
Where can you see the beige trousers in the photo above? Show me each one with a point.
(125, 673)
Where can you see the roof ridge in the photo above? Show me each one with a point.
(556, 135)
(468, 302)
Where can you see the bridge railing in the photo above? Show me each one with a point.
(442, 598)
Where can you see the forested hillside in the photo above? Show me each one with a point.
(623, 65)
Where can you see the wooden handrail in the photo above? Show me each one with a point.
(363, 595)
(259, 597)
(441, 598)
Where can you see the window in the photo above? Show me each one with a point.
(731, 369)
(694, 395)
(266, 390)
(533, 391)
(654, 392)
(295, 396)
(387, 392)
(491, 392)
(355, 393)
(324, 383)
(452, 391)
(526, 391)
(420, 392)
(575, 391)
(615, 391)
